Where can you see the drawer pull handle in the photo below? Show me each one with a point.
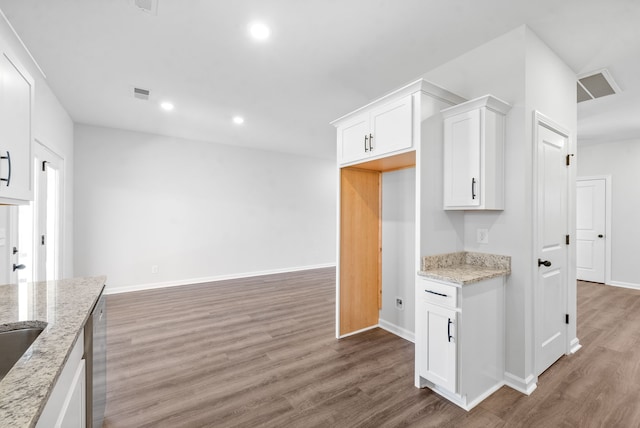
(436, 293)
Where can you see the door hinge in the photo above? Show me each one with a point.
(567, 240)
(566, 318)
(569, 159)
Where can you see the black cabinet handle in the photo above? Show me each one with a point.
(17, 267)
(600, 236)
(546, 263)
(8, 158)
(370, 142)
(473, 188)
(366, 139)
(437, 294)
(449, 337)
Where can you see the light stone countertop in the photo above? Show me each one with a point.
(463, 268)
(63, 307)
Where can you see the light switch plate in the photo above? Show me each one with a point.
(483, 236)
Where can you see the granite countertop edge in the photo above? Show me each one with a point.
(26, 388)
(464, 268)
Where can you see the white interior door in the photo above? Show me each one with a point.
(590, 229)
(552, 229)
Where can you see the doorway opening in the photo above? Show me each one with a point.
(38, 225)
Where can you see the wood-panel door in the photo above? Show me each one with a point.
(360, 249)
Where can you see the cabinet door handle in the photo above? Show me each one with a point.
(436, 293)
(546, 263)
(473, 188)
(370, 142)
(8, 158)
(366, 139)
(449, 330)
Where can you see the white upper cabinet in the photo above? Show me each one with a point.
(474, 134)
(16, 141)
(383, 130)
(389, 125)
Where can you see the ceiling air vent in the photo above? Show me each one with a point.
(141, 94)
(147, 6)
(596, 85)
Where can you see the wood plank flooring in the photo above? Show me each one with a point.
(261, 352)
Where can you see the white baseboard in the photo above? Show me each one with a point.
(574, 346)
(152, 286)
(624, 284)
(526, 386)
(398, 331)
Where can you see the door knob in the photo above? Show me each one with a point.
(18, 267)
(600, 236)
(547, 263)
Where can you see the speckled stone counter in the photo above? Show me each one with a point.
(464, 267)
(63, 307)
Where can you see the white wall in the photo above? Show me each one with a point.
(518, 68)
(620, 160)
(53, 128)
(197, 210)
(398, 248)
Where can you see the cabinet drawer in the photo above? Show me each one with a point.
(438, 293)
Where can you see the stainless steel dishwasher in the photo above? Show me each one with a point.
(95, 344)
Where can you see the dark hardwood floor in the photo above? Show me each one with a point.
(261, 352)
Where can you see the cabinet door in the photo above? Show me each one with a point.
(462, 183)
(440, 348)
(72, 414)
(16, 88)
(391, 127)
(351, 140)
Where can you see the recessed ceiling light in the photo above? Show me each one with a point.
(259, 31)
(238, 120)
(166, 105)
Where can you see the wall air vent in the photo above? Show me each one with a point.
(147, 6)
(596, 85)
(141, 94)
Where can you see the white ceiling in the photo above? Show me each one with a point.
(324, 59)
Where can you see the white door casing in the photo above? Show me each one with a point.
(591, 230)
(551, 227)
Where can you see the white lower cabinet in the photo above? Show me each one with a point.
(440, 361)
(460, 339)
(66, 407)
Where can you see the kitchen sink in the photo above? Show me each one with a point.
(13, 345)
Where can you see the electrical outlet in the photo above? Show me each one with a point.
(399, 303)
(483, 236)
(154, 269)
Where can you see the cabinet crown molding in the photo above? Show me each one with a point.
(487, 101)
(419, 85)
